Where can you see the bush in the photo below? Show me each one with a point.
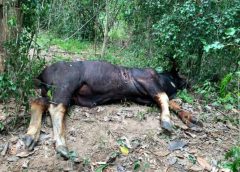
(202, 35)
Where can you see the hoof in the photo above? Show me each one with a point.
(195, 121)
(63, 151)
(166, 125)
(29, 142)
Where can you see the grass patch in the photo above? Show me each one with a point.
(60, 58)
(45, 40)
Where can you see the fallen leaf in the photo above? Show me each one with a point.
(25, 164)
(235, 111)
(204, 164)
(124, 150)
(176, 144)
(196, 168)
(181, 125)
(193, 151)
(171, 160)
(190, 134)
(13, 150)
(120, 168)
(24, 154)
(5, 148)
(2, 117)
(224, 170)
(12, 159)
(68, 166)
(161, 153)
(44, 136)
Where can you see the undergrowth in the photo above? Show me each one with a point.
(45, 40)
(232, 159)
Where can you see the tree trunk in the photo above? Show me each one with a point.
(3, 36)
(5, 31)
(148, 37)
(105, 39)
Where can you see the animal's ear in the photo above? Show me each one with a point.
(173, 62)
(184, 82)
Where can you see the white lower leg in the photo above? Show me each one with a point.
(57, 115)
(163, 100)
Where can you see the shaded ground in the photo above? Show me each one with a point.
(97, 133)
(93, 134)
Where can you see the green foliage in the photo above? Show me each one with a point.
(119, 32)
(224, 83)
(17, 80)
(202, 36)
(1, 126)
(101, 168)
(141, 116)
(72, 18)
(233, 159)
(192, 159)
(185, 96)
(206, 89)
(70, 45)
(225, 94)
(136, 165)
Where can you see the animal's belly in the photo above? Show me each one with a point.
(93, 100)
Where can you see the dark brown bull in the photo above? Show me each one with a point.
(92, 83)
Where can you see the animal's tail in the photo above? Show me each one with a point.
(37, 83)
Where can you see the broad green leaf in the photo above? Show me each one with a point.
(230, 31)
(136, 165)
(73, 155)
(228, 106)
(217, 45)
(159, 69)
(207, 48)
(101, 168)
(49, 94)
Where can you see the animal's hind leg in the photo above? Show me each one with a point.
(38, 107)
(57, 113)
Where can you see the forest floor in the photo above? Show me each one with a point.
(126, 137)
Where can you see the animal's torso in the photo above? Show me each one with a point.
(95, 82)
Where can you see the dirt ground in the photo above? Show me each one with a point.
(125, 137)
(94, 135)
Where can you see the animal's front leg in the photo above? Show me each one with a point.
(184, 115)
(163, 100)
(57, 114)
(38, 107)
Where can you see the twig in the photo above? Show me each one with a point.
(83, 25)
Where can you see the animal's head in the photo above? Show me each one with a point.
(179, 80)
